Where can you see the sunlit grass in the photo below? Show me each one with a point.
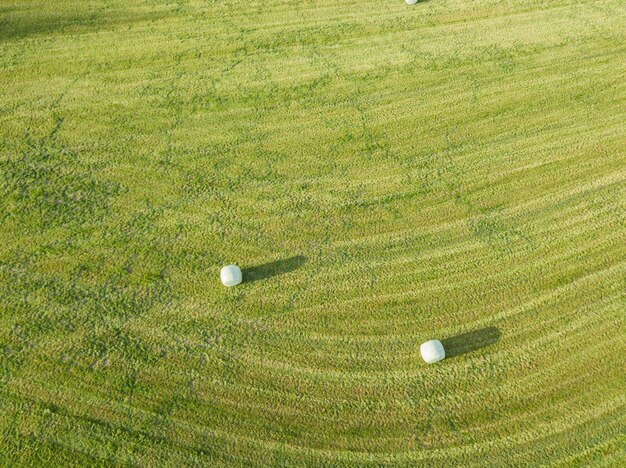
(383, 175)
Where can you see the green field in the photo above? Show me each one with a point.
(384, 174)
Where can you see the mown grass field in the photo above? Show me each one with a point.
(384, 175)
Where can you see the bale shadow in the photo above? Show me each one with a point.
(271, 269)
(474, 340)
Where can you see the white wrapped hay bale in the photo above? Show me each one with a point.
(411, 2)
(230, 275)
(432, 351)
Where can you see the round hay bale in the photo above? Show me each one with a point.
(432, 351)
(230, 275)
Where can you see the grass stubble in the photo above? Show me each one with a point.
(386, 174)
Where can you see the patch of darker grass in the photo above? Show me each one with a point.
(122, 342)
(47, 186)
(90, 313)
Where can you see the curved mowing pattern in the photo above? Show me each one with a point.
(383, 175)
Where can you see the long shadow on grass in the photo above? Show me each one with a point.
(271, 269)
(465, 343)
